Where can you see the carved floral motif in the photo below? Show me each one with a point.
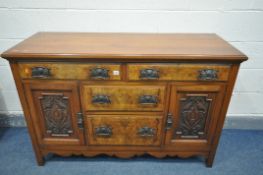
(193, 115)
(57, 116)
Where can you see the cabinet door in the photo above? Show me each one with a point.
(193, 114)
(54, 107)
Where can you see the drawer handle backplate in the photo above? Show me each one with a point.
(208, 74)
(146, 131)
(150, 74)
(99, 73)
(101, 99)
(103, 131)
(40, 72)
(148, 99)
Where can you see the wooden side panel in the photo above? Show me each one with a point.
(195, 111)
(123, 97)
(70, 70)
(222, 114)
(124, 130)
(30, 125)
(54, 106)
(180, 72)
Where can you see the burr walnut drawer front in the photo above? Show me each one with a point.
(179, 72)
(80, 71)
(123, 97)
(124, 130)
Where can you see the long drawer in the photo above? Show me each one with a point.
(88, 71)
(178, 72)
(123, 97)
(124, 130)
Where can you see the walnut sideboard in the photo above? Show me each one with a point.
(124, 94)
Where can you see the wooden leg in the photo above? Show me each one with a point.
(209, 160)
(40, 161)
(39, 157)
(220, 123)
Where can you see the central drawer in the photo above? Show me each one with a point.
(124, 130)
(123, 97)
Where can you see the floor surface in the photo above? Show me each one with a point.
(239, 152)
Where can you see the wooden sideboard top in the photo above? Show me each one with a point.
(125, 46)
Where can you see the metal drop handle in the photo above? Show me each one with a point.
(101, 99)
(99, 73)
(146, 131)
(208, 74)
(149, 74)
(103, 131)
(148, 99)
(40, 72)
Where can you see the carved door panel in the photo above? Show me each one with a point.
(54, 110)
(193, 113)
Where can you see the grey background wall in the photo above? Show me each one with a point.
(240, 22)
